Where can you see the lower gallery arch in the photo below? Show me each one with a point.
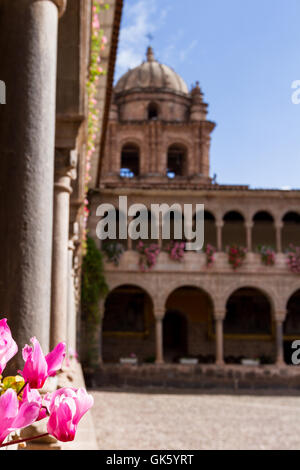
(291, 325)
(187, 325)
(248, 327)
(128, 328)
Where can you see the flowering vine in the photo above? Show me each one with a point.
(176, 250)
(236, 255)
(98, 41)
(21, 403)
(293, 258)
(210, 251)
(148, 255)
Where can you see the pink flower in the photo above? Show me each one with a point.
(33, 396)
(67, 407)
(8, 347)
(14, 416)
(38, 367)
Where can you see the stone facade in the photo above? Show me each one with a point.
(157, 151)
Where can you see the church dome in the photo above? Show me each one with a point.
(151, 75)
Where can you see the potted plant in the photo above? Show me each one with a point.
(236, 255)
(176, 250)
(148, 255)
(267, 255)
(113, 251)
(293, 258)
(132, 359)
(210, 251)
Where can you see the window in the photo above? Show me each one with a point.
(176, 165)
(152, 111)
(130, 165)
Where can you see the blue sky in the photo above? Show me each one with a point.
(245, 54)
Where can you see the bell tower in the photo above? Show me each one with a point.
(158, 133)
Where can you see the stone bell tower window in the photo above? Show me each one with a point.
(152, 112)
(177, 161)
(130, 161)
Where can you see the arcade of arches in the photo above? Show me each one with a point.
(157, 151)
(188, 327)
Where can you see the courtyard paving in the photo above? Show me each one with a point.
(154, 420)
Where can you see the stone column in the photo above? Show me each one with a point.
(72, 320)
(219, 318)
(129, 239)
(219, 226)
(249, 227)
(28, 32)
(278, 228)
(279, 319)
(159, 316)
(65, 162)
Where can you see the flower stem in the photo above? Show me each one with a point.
(21, 390)
(19, 441)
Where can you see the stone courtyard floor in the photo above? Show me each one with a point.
(148, 419)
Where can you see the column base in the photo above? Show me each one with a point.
(220, 363)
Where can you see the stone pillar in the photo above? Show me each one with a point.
(219, 318)
(279, 319)
(72, 320)
(219, 226)
(100, 349)
(28, 32)
(65, 162)
(159, 315)
(278, 228)
(249, 227)
(129, 239)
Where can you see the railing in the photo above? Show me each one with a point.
(196, 262)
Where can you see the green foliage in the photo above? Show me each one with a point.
(93, 283)
(113, 251)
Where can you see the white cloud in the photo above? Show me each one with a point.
(142, 17)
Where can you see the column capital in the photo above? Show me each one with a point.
(249, 224)
(159, 314)
(279, 224)
(219, 223)
(61, 5)
(65, 167)
(280, 316)
(219, 314)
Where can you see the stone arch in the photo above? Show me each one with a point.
(177, 160)
(181, 144)
(152, 111)
(291, 324)
(263, 230)
(189, 318)
(234, 230)
(130, 160)
(236, 285)
(248, 326)
(291, 229)
(210, 228)
(124, 242)
(128, 325)
(178, 284)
